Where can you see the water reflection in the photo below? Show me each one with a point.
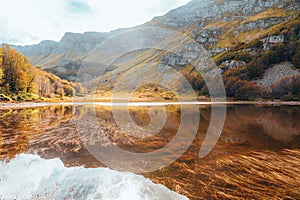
(50, 130)
(51, 133)
(19, 128)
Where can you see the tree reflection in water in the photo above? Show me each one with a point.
(250, 134)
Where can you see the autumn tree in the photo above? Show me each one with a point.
(30, 80)
(20, 79)
(14, 66)
(1, 75)
(44, 85)
(19, 76)
(69, 90)
(79, 88)
(61, 92)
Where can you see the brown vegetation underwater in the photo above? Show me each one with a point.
(246, 163)
(258, 175)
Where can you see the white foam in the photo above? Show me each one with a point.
(27, 176)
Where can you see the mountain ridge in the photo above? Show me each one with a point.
(188, 14)
(222, 27)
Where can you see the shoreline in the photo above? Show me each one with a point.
(21, 105)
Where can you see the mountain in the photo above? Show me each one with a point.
(254, 43)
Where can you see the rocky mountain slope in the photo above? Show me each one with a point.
(235, 32)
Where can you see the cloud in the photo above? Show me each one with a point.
(30, 21)
(75, 6)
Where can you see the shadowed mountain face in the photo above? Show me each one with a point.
(217, 25)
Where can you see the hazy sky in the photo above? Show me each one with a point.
(30, 21)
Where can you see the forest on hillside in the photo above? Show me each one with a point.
(21, 81)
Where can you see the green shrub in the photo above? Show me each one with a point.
(69, 91)
(5, 98)
(296, 59)
(234, 55)
(256, 44)
(247, 91)
(28, 97)
(255, 70)
(225, 56)
(34, 97)
(243, 56)
(231, 86)
(20, 98)
(14, 97)
(287, 97)
(239, 72)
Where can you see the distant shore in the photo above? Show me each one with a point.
(136, 103)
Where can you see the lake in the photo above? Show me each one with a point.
(257, 155)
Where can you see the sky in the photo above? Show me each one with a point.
(25, 22)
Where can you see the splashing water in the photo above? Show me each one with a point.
(31, 177)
